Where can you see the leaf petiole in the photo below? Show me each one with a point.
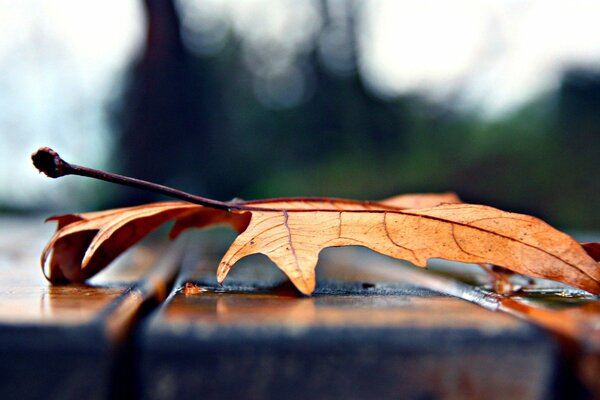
(52, 165)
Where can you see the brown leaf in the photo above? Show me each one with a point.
(292, 232)
(418, 200)
(293, 237)
(86, 243)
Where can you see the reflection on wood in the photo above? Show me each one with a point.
(349, 340)
(235, 308)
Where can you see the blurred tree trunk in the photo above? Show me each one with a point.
(163, 136)
(342, 110)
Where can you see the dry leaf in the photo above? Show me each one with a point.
(86, 243)
(292, 238)
(292, 232)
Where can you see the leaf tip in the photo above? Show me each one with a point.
(305, 284)
(222, 272)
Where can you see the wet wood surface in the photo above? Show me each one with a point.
(68, 341)
(25, 296)
(255, 337)
(369, 331)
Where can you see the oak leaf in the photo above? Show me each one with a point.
(84, 244)
(292, 232)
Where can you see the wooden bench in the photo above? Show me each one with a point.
(367, 332)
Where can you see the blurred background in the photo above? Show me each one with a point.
(498, 100)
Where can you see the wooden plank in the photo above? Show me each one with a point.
(570, 315)
(66, 341)
(365, 333)
(351, 339)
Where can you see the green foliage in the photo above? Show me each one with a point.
(520, 162)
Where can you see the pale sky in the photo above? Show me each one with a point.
(61, 61)
(499, 53)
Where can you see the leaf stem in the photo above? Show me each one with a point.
(50, 163)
